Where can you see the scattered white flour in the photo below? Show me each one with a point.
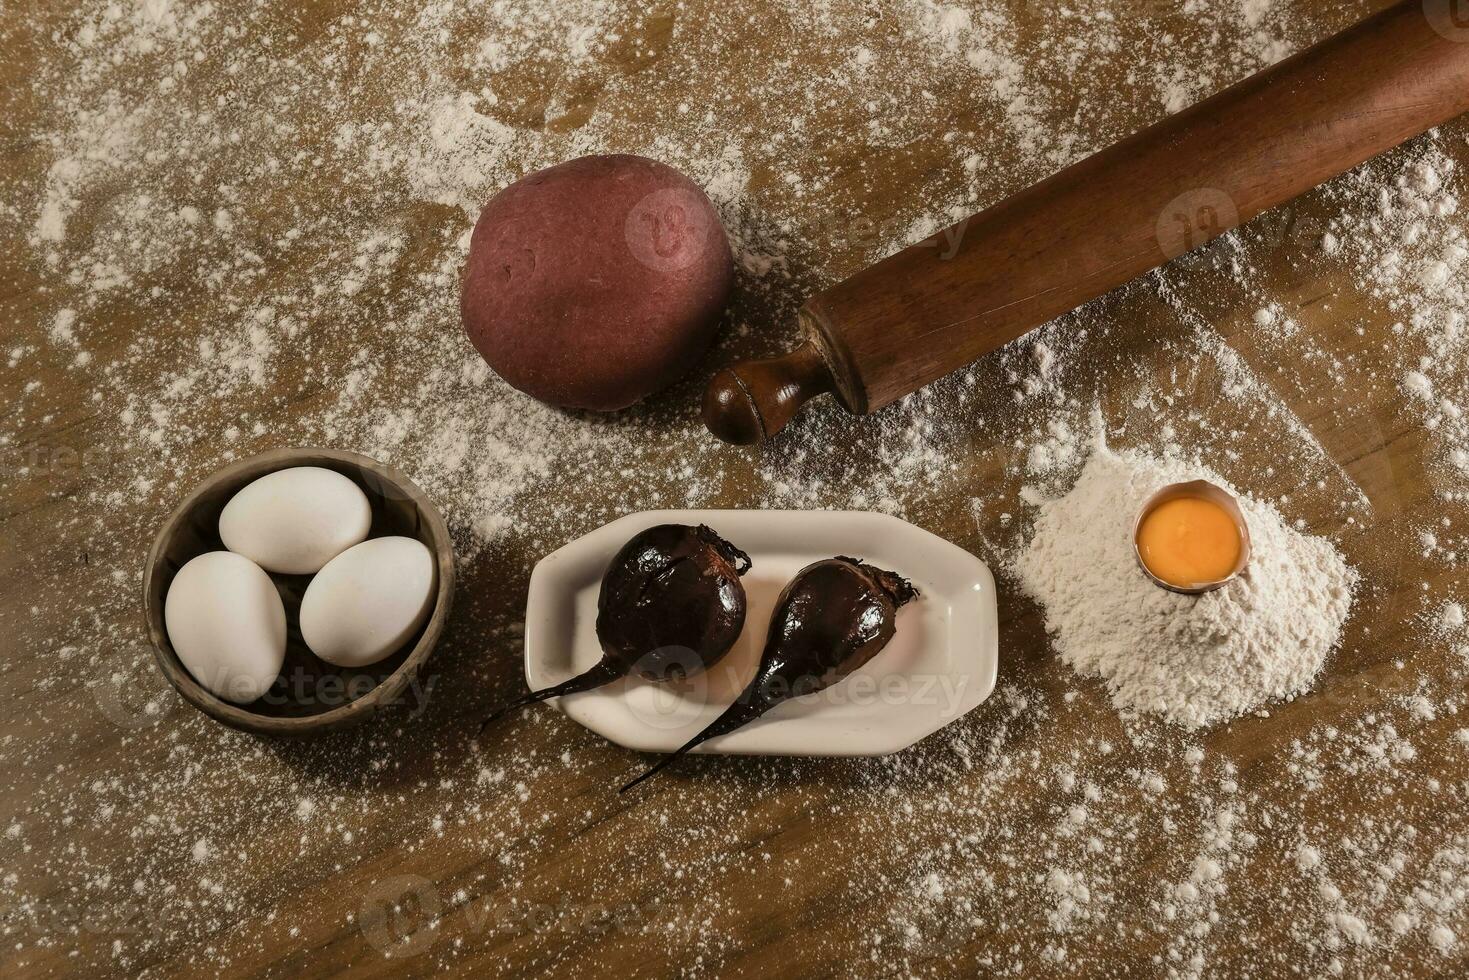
(282, 192)
(1195, 660)
(1410, 252)
(62, 331)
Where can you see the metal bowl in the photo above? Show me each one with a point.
(311, 696)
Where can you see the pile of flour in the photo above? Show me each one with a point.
(1195, 660)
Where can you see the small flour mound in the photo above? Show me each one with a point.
(1195, 660)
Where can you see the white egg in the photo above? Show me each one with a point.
(227, 624)
(368, 601)
(296, 520)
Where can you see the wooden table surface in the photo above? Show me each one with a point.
(1039, 835)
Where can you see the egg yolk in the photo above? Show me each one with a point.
(1189, 541)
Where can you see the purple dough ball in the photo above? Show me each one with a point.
(594, 283)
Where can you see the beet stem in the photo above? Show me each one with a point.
(602, 673)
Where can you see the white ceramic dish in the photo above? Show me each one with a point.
(941, 663)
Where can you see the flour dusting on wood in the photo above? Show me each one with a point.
(233, 227)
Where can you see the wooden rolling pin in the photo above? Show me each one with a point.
(934, 307)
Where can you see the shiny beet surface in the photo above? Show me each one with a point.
(832, 618)
(671, 605)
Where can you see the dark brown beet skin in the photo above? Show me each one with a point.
(671, 605)
(832, 618)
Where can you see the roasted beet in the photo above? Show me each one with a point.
(671, 605)
(832, 618)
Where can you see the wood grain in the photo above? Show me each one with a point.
(727, 867)
(968, 290)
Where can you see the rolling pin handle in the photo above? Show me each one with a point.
(749, 402)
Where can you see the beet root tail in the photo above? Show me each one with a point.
(602, 673)
(740, 713)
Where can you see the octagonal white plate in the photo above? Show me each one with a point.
(941, 663)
